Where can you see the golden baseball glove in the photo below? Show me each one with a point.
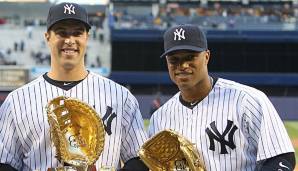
(169, 151)
(76, 130)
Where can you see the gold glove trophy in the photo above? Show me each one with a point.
(169, 151)
(77, 132)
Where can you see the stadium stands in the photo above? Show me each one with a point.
(34, 51)
(259, 38)
(22, 34)
(215, 16)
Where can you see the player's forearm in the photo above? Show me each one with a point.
(134, 164)
(281, 162)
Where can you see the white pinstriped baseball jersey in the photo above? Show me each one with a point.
(25, 138)
(233, 127)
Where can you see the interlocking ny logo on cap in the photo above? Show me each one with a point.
(69, 9)
(179, 34)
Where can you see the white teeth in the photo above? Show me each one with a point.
(69, 51)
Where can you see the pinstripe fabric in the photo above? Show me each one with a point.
(25, 141)
(258, 130)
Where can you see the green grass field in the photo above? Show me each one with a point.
(146, 123)
(291, 126)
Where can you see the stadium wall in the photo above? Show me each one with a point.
(231, 51)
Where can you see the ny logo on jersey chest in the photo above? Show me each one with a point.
(214, 135)
(107, 119)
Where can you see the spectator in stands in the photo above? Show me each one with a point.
(98, 61)
(2, 58)
(5, 58)
(8, 51)
(29, 30)
(22, 46)
(94, 30)
(16, 46)
(156, 103)
(101, 37)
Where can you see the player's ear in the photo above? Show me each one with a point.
(88, 34)
(47, 36)
(207, 56)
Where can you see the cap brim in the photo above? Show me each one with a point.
(183, 47)
(69, 18)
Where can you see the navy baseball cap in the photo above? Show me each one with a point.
(65, 11)
(184, 37)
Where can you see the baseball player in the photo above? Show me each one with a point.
(25, 142)
(234, 127)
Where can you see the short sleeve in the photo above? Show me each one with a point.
(268, 128)
(10, 146)
(133, 136)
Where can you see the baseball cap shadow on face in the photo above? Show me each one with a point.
(184, 37)
(69, 27)
(173, 53)
(65, 11)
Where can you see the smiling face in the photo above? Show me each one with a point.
(67, 41)
(188, 69)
